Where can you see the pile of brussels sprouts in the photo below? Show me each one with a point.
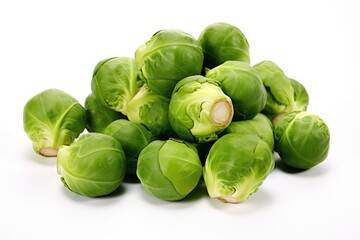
(181, 111)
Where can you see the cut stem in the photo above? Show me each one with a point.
(48, 152)
(221, 113)
(227, 199)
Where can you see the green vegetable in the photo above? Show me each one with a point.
(284, 95)
(199, 110)
(93, 166)
(301, 96)
(243, 85)
(169, 170)
(222, 42)
(236, 167)
(115, 81)
(180, 111)
(168, 57)
(53, 118)
(99, 116)
(260, 126)
(302, 140)
(151, 110)
(133, 138)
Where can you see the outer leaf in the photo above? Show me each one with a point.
(153, 181)
(260, 126)
(151, 110)
(169, 170)
(301, 96)
(180, 163)
(280, 93)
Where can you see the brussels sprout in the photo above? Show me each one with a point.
(222, 42)
(53, 118)
(260, 125)
(199, 110)
(302, 139)
(169, 170)
(151, 110)
(301, 96)
(168, 57)
(133, 138)
(280, 93)
(284, 95)
(243, 85)
(236, 167)
(115, 81)
(93, 166)
(99, 116)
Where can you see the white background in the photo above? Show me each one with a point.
(56, 44)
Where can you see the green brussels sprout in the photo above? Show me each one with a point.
(53, 118)
(151, 110)
(169, 169)
(115, 81)
(302, 139)
(133, 138)
(284, 95)
(243, 85)
(168, 57)
(222, 42)
(99, 116)
(301, 96)
(236, 167)
(93, 166)
(199, 110)
(260, 125)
